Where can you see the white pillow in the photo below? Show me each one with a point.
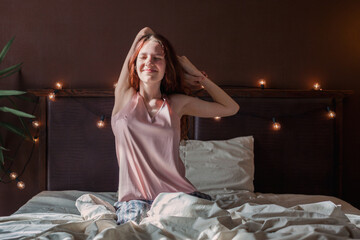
(219, 166)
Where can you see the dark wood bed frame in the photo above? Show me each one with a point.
(305, 156)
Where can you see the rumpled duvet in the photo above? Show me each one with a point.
(181, 216)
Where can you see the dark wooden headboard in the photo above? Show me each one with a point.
(305, 156)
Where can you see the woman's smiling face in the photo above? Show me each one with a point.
(150, 63)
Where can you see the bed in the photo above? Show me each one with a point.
(266, 183)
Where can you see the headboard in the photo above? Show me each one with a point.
(305, 156)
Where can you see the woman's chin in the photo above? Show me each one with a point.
(150, 79)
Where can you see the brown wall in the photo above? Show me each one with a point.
(290, 43)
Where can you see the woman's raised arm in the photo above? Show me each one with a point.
(123, 84)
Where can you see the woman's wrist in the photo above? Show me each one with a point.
(204, 82)
(204, 79)
(204, 74)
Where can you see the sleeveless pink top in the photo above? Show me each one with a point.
(147, 150)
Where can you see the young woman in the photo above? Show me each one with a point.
(150, 100)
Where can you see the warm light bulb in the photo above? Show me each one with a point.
(58, 85)
(262, 83)
(100, 124)
(20, 185)
(36, 139)
(276, 126)
(331, 114)
(36, 124)
(217, 118)
(317, 86)
(51, 96)
(13, 175)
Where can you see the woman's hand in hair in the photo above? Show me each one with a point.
(145, 31)
(193, 77)
(193, 82)
(189, 67)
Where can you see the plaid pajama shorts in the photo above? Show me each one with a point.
(136, 210)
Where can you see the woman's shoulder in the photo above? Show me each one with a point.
(176, 98)
(179, 98)
(123, 99)
(177, 102)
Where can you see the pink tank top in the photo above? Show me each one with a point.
(147, 150)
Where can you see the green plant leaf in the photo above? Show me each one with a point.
(2, 148)
(1, 152)
(1, 157)
(21, 120)
(11, 92)
(16, 112)
(14, 129)
(5, 49)
(10, 70)
(10, 73)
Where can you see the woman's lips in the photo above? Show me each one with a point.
(149, 70)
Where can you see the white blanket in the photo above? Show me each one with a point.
(181, 216)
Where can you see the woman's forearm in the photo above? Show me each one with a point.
(141, 33)
(124, 74)
(219, 95)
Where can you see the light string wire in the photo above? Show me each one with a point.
(88, 108)
(282, 116)
(325, 107)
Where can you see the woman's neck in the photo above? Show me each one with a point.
(149, 93)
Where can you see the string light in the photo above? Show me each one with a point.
(35, 124)
(52, 95)
(36, 139)
(20, 185)
(317, 86)
(331, 113)
(217, 118)
(276, 125)
(101, 122)
(59, 85)
(13, 175)
(262, 83)
(115, 84)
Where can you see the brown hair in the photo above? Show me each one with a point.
(173, 81)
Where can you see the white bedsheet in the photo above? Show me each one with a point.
(241, 215)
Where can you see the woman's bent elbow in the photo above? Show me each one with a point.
(232, 110)
(236, 109)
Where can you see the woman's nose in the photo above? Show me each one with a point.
(149, 61)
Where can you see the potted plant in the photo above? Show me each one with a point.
(7, 96)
